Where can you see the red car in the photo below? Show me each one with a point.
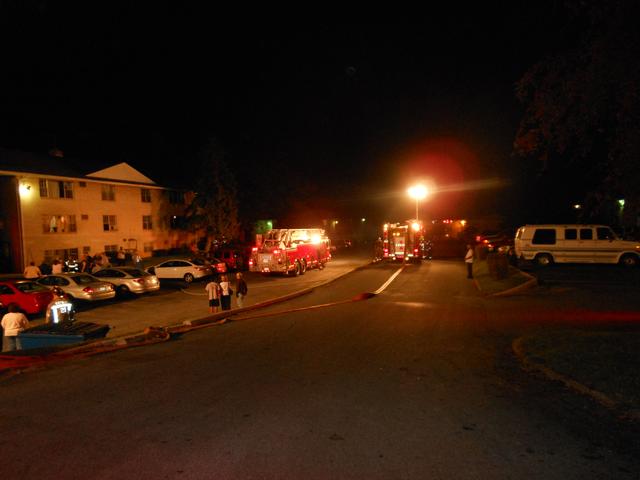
(31, 297)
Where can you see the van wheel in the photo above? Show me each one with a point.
(544, 259)
(629, 260)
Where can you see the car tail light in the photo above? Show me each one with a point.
(254, 249)
(415, 250)
(87, 290)
(250, 262)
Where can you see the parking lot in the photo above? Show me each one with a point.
(584, 274)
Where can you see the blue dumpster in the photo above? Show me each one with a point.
(53, 335)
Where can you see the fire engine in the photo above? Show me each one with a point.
(405, 241)
(291, 251)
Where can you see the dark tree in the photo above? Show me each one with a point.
(214, 208)
(582, 118)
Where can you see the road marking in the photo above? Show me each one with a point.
(388, 282)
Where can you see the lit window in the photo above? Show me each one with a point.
(55, 189)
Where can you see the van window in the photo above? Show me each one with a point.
(586, 234)
(605, 233)
(544, 236)
(570, 234)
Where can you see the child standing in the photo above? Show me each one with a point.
(225, 293)
(241, 289)
(213, 289)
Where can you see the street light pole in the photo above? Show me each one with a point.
(418, 192)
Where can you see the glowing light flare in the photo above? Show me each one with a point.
(415, 226)
(316, 239)
(418, 192)
(25, 190)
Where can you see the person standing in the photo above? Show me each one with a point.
(13, 323)
(225, 293)
(213, 290)
(121, 257)
(84, 265)
(57, 267)
(60, 309)
(32, 272)
(45, 268)
(241, 289)
(137, 259)
(468, 259)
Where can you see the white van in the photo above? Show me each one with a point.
(546, 244)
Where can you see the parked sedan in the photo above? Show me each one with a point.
(187, 270)
(220, 266)
(80, 286)
(129, 280)
(30, 297)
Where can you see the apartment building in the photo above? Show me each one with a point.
(50, 208)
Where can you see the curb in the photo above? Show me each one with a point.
(533, 281)
(603, 399)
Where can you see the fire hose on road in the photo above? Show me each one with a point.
(12, 364)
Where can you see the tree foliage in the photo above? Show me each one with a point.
(214, 208)
(582, 105)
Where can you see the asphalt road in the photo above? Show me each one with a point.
(416, 382)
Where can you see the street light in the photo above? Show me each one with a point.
(418, 192)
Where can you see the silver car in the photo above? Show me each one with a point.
(129, 279)
(79, 286)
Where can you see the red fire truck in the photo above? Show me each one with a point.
(405, 241)
(291, 251)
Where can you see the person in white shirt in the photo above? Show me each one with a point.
(225, 293)
(56, 267)
(32, 272)
(13, 323)
(468, 259)
(213, 289)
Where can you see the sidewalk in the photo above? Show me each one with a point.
(188, 304)
(601, 364)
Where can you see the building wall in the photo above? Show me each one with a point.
(10, 238)
(88, 207)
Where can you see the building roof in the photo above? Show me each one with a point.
(41, 164)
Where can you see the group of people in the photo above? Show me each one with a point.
(88, 264)
(220, 292)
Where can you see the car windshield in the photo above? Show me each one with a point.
(83, 279)
(135, 272)
(198, 261)
(30, 287)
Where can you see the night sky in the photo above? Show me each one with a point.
(349, 114)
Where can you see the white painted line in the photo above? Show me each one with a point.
(388, 282)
